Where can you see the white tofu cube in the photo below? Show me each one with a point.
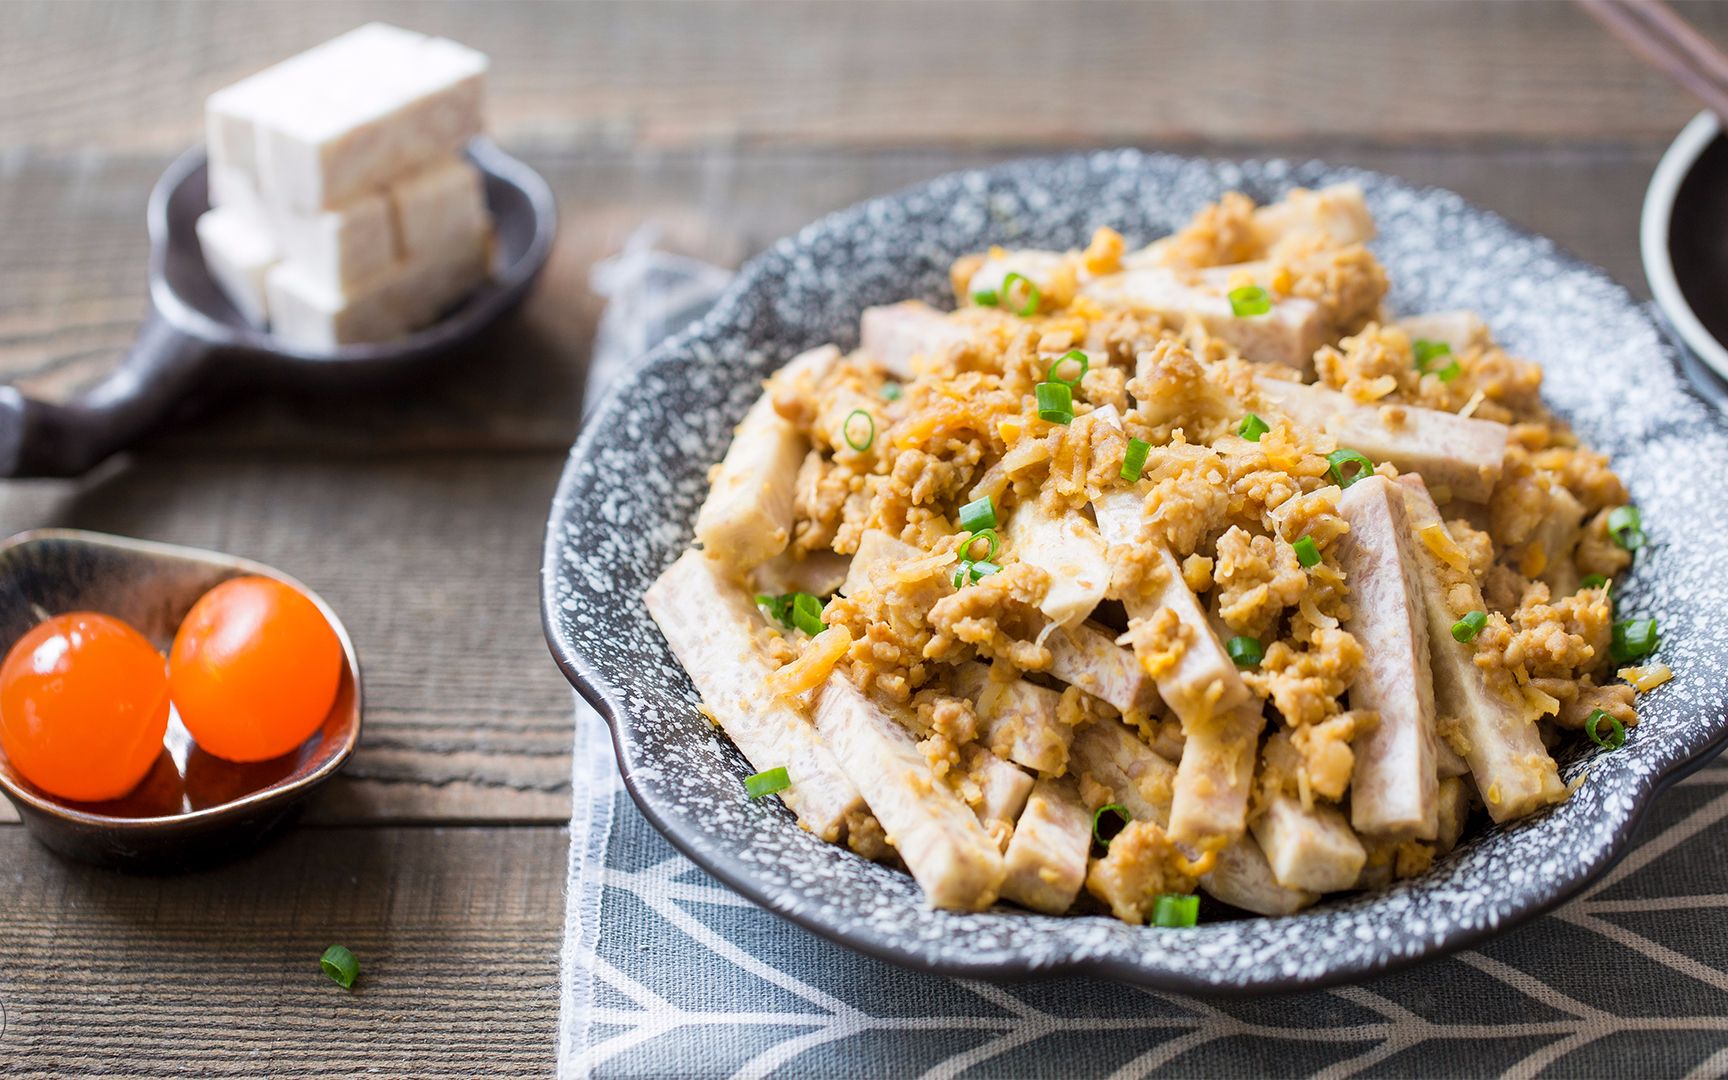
(239, 252)
(307, 313)
(230, 131)
(342, 248)
(439, 209)
(354, 114)
(233, 188)
(233, 113)
(424, 289)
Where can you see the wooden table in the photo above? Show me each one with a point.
(439, 856)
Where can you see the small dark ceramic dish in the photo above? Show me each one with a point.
(193, 808)
(195, 345)
(1683, 237)
(635, 478)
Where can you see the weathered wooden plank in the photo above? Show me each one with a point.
(692, 74)
(216, 973)
(431, 561)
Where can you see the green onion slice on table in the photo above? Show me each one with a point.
(340, 965)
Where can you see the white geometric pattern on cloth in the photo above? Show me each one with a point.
(683, 977)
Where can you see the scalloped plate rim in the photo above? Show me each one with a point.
(690, 840)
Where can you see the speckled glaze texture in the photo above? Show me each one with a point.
(630, 492)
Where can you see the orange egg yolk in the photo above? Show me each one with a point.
(83, 706)
(254, 670)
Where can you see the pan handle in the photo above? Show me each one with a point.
(38, 438)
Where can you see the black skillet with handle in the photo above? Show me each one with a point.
(194, 343)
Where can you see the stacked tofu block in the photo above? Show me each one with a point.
(342, 209)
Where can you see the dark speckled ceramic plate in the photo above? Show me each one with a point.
(624, 508)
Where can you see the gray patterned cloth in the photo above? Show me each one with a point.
(667, 973)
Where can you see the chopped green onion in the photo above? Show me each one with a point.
(779, 608)
(978, 514)
(1449, 372)
(981, 534)
(1469, 626)
(1427, 352)
(1134, 460)
(1176, 911)
(807, 613)
(1632, 639)
(892, 391)
(1250, 300)
(1616, 737)
(1245, 651)
(1626, 526)
(1055, 402)
(1307, 551)
(794, 611)
(1123, 818)
(1075, 355)
(1033, 296)
(1252, 427)
(986, 298)
(974, 571)
(1594, 581)
(846, 430)
(767, 782)
(340, 965)
(1359, 466)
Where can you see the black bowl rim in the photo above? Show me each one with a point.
(691, 842)
(1655, 226)
(246, 804)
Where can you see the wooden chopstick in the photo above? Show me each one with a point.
(1669, 43)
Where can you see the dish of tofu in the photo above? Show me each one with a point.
(1147, 573)
(343, 209)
